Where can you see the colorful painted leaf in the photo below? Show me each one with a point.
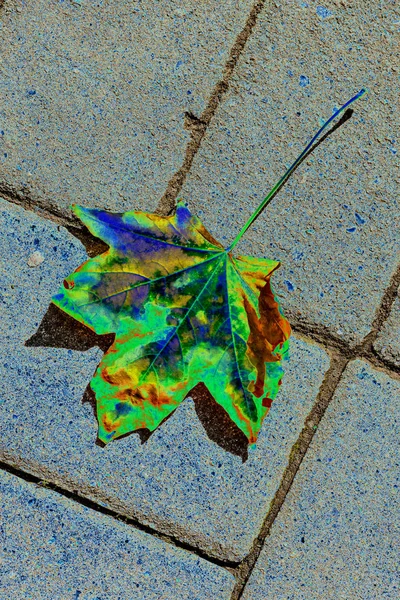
(184, 310)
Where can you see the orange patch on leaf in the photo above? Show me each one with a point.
(275, 327)
(118, 378)
(259, 349)
(109, 425)
(207, 235)
(146, 393)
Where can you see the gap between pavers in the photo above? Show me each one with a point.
(94, 95)
(387, 344)
(333, 225)
(179, 482)
(337, 535)
(53, 548)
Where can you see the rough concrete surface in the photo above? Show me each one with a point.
(127, 105)
(335, 224)
(387, 343)
(94, 95)
(337, 535)
(54, 549)
(179, 481)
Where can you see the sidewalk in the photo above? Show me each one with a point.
(131, 106)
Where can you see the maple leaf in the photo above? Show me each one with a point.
(184, 310)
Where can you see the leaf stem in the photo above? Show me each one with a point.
(282, 180)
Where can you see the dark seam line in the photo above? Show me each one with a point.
(136, 524)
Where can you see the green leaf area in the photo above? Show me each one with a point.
(184, 310)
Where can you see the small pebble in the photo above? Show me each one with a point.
(35, 259)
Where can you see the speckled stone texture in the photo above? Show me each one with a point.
(179, 481)
(387, 343)
(334, 224)
(54, 549)
(94, 94)
(337, 535)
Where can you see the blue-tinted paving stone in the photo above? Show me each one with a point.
(334, 225)
(387, 343)
(94, 94)
(54, 549)
(179, 481)
(337, 535)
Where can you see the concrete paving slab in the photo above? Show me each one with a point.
(337, 534)
(387, 343)
(334, 223)
(180, 481)
(55, 549)
(94, 94)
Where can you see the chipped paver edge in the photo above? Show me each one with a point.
(196, 125)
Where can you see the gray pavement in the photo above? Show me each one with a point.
(94, 95)
(55, 548)
(116, 105)
(337, 535)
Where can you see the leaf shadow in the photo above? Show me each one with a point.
(59, 330)
(218, 425)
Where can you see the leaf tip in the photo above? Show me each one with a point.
(77, 209)
(104, 437)
(182, 202)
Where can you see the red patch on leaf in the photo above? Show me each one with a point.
(267, 402)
